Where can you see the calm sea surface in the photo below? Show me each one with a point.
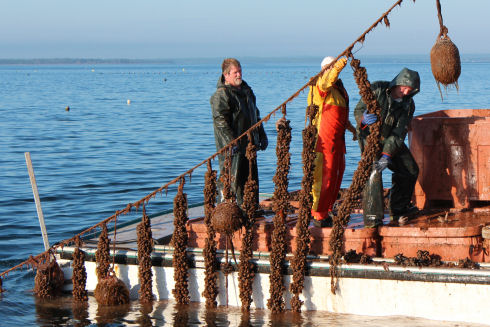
(105, 153)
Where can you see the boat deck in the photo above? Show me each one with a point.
(452, 234)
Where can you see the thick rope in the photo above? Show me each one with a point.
(444, 30)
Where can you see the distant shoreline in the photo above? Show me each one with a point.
(82, 61)
(124, 61)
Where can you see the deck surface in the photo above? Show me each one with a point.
(436, 223)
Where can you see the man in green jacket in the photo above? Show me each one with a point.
(234, 112)
(397, 108)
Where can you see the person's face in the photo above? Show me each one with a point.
(399, 91)
(234, 76)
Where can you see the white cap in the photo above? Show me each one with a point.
(327, 60)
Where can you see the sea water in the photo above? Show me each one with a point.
(93, 152)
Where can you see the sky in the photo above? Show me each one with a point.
(161, 29)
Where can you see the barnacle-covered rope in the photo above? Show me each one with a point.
(246, 268)
(179, 241)
(79, 276)
(145, 247)
(298, 263)
(361, 175)
(281, 207)
(209, 251)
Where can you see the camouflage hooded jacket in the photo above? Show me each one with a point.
(395, 116)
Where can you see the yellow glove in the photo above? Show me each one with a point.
(330, 76)
(340, 64)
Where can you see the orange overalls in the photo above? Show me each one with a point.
(331, 123)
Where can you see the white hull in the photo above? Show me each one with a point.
(439, 294)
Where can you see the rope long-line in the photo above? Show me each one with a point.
(147, 198)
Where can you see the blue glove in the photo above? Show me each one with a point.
(382, 163)
(368, 119)
(234, 150)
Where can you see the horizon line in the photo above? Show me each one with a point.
(115, 60)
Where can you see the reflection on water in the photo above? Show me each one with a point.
(63, 312)
(80, 314)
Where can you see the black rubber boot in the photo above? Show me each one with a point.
(372, 200)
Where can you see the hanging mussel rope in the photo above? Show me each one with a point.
(102, 255)
(145, 247)
(444, 57)
(110, 290)
(80, 314)
(281, 208)
(79, 276)
(49, 279)
(227, 218)
(209, 252)
(361, 175)
(179, 241)
(298, 263)
(246, 268)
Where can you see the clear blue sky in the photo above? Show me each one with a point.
(262, 28)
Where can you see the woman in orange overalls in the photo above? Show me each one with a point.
(331, 122)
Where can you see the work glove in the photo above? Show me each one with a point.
(368, 119)
(340, 64)
(382, 163)
(264, 142)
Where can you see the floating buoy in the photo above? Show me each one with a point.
(128, 102)
(227, 218)
(67, 108)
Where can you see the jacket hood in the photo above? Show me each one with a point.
(407, 77)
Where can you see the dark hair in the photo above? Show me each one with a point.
(227, 63)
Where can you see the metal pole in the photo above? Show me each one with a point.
(30, 169)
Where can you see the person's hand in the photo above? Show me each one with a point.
(368, 119)
(354, 136)
(340, 64)
(263, 144)
(382, 163)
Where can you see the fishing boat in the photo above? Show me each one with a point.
(437, 266)
(450, 292)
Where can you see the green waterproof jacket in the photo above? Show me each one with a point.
(395, 116)
(234, 111)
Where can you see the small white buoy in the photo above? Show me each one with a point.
(129, 101)
(67, 108)
(183, 69)
(93, 70)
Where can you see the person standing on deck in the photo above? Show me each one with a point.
(234, 111)
(331, 121)
(397, 109)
